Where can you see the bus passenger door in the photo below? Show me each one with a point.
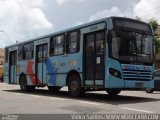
(41, 58)
(12, 67)
(94, 67)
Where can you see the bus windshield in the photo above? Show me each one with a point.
(132, 47)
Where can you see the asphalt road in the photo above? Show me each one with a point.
(13, 101)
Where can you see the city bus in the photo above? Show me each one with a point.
(110, 54)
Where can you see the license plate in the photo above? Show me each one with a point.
(139, 85)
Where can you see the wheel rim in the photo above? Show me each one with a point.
(74, 86)
(149, 90)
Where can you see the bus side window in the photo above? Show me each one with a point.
(73, 42)
(28, 51)
(20, 53)
(100, 43)
(52, 46)
(57, 45)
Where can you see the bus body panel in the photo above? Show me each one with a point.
(58, 67)
(111, 81)
(93, 28)
(89, 57)
(6, 73)
(137, 76)
(133, 72)
(138, 84)
(53, 70)
(10, 68)
(27, 68)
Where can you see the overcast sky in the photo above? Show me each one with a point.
(26, 19)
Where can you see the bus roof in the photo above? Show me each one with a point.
(70, 29)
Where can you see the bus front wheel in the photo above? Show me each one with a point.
(149, 90)
(74, 86)
(113, 92)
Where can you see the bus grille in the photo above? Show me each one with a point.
(139, 75)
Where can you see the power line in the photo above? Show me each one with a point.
(151, 11)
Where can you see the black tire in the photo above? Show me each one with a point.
(113, 92)
(54, 89)
(149, 90)
(74, 86)
(30, 88)
(1, 79)
(23, 84)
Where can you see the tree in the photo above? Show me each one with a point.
(154, 23)
(157, 44)
(138, 18)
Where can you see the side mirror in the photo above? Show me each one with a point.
(109, 37)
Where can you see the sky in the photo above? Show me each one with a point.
(21, 20)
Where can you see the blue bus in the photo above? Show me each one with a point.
(111, 54)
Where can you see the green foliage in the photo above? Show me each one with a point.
(138, 18)
(157, 44)
(154, 23)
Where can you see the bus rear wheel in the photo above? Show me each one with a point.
(54, 89)
(113, 92)
(23, 84)
(74, 86)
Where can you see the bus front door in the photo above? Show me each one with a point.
(41, 58)
(94, 59)
(12, 67)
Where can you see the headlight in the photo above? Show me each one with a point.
(115, 73)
